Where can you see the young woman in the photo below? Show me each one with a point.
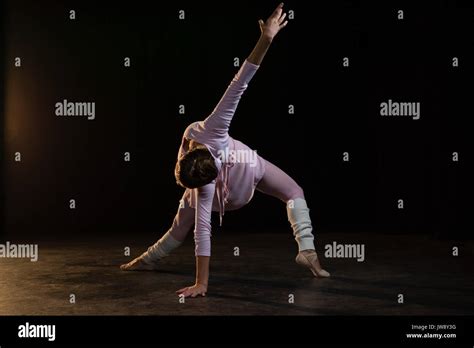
(216, 178)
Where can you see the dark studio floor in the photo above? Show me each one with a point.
(258, 282)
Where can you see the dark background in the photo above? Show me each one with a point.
(190, 62)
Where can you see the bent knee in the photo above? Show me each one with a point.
(296, 192)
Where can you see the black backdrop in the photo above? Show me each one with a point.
(190, 62)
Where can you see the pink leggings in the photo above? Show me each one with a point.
(275, 182)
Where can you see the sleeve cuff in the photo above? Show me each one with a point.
(246, 72)
(251, 65)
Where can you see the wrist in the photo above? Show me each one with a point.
(266, 38)
(201, 283)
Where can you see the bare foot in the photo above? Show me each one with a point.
(309, 258)
(138, 264)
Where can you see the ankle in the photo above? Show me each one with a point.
(308, 252)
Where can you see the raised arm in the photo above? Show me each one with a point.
(217, 124)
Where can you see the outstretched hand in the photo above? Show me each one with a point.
(274, 23)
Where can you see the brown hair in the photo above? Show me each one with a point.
(195, 169)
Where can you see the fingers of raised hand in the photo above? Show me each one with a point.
(277, 12)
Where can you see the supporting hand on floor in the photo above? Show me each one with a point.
(193, 291)
(202, 279)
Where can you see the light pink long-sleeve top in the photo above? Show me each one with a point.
(238, 174)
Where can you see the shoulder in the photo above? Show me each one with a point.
(191, 130)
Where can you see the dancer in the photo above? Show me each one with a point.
(220, 173)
